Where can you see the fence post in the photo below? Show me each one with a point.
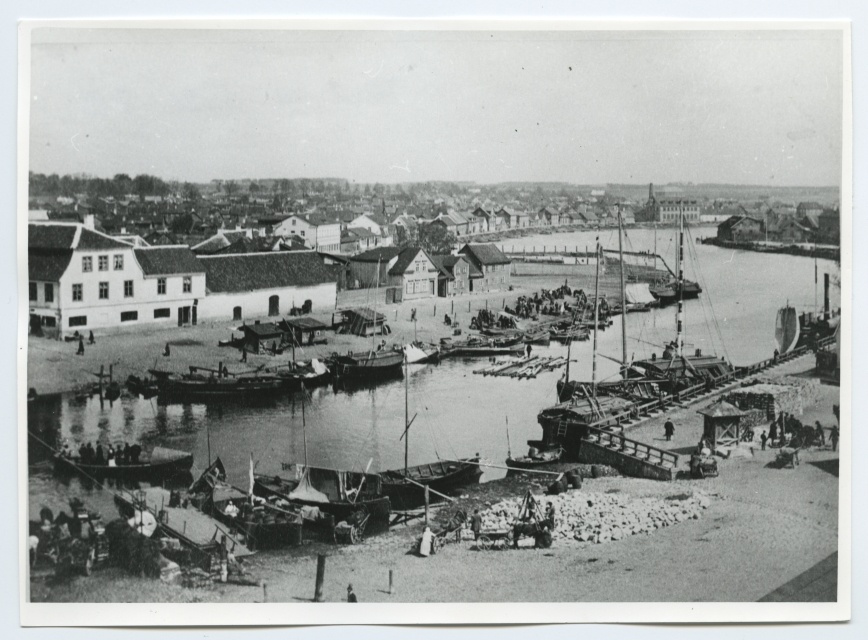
(391, 583)
(320, 577)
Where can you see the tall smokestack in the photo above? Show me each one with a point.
(826, 314)
(650, 191)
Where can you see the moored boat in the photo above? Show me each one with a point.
(535, 458)
(369, 364)
(443, 476)
(417, 352)
(197, 387)
(162, 464)
(787, 329)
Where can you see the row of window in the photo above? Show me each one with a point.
(420, 286)
(102, 263)
(126, 316)
(78, 289)
(49, 292)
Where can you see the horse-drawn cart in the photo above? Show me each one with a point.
(352, 530)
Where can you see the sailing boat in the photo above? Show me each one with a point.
(406, 487)
(341, 494)
(676, 370)
(375, 363)
(787, 328)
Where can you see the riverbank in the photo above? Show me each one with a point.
(767, 523)
(824, 252)
(54, 367)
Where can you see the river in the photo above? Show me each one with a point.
(457, 413)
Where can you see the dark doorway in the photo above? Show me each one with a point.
(194, 314)
(236, 313)
(274, 306)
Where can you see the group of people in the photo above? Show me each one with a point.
(109, 456)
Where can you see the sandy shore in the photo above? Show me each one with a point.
(764, 527)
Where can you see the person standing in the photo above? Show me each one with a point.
(834, 437)
(763, 438)
(167, 352)
(351, 595)
(773, 431)
(528, 350)
(668, 430)
(244, 353)
(80, 351)
(476, 524)
(100, 455)
(91, 339)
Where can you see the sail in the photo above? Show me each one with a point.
(414, 353)
(787, 329)
(638, 293)
(305, 490)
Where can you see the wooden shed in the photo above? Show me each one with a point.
(722, 424)
(260, 337)
(304, 331)
(361, 322)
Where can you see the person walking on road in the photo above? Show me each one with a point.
(80, 351)
(476, 524)
(763, 438)
(167, 352)
(669, 430)
(834, 437)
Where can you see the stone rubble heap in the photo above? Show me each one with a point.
(603, 517)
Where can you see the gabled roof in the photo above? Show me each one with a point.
(380, 254)
(272, 270)
(721, 409)
(166, 261)
(485, 253)
(734, 221)
(405, 258)
(47, 266)
(262, 329)
(93, 240)
(304, 322)
(51, 236)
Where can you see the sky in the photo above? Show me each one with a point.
(740, 107)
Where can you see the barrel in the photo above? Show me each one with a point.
(597, 471)
(574, 480)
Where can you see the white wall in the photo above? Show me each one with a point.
(254, 304)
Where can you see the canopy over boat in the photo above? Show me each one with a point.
(787, 329)
(638, 293)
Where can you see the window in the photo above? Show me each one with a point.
(161, 286)
(87, 263)
(129, 316)
(49, 292)
(48, 321)
(77, 321)
(77, 293)
(128, 288)
(119, 262)
(188, 284)
(103, 291)
(162, 313)
(293, 222)
(302, 234)
(33, 291)
(103, 263)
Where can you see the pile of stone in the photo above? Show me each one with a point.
(603, 517)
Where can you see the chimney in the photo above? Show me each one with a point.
(826, 315)
(89, 221)
(650, 191)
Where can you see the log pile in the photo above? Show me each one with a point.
(526, 367)
(584, 517)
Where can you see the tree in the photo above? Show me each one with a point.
(230, 187)
(435, 238)
(253, 188)
(190, 192)
(402, 237)
(123, 185)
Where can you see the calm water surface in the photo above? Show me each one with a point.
(458, 413)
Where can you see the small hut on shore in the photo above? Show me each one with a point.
(722, 426)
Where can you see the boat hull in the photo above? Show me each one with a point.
(133, 472)
(373, 365)
(787, 329)
(443, 477)
(379, 508)
(219, 390)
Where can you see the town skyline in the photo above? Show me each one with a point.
(755, 108)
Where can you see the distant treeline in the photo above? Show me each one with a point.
(120, 186)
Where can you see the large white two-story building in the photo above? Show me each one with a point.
(83, 280)
(317, 232)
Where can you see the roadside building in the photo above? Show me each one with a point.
(492, 265)
(414, 273)
(792, 230)
(82, 280)
(551, 216)
(365, 267)
(259, 337)
(455, 274)
(266, 284)
(316, 230)
(741, 229)
(304, 331)
(829, 231)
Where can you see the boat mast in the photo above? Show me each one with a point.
(596, 321)
(406, 416)
(623, 296)
(376, 293)
(680, 284)
(303, 424)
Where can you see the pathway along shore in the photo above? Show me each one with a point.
(763, 527)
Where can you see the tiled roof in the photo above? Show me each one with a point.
(47, 266)
(380, 254)
(305, 322)
(485, 253)
(721, 410)
(262, 329)
(165, 261)
(273, 270)
(51, 236)
(93, 240)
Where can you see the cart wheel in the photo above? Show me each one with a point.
(355, 536)
(88, 564)
(484, 543)
(436, 545)
(510, 539)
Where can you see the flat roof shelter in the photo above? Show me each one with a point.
(722, 425)
(304, 330)
(260, 336)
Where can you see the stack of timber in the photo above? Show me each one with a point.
(528, 367)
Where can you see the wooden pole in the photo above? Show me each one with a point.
(427, 502)
(265, 592)
(101, 369)
(320, 577)
(111, 370)
(391, 582)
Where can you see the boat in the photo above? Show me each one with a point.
(217, 386)
(371, 364)
(787, 329)
(309, 374)
(263, 524)
(144, 387)
(535, 458)
(162, 464)
(418, 352)
(475, 346)
(406, 487)
(338, 493)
